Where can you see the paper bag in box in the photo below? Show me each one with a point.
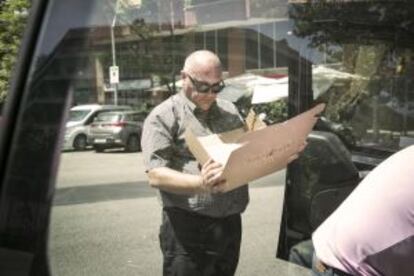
(247, 156)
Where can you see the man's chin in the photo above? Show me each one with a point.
(204, 107)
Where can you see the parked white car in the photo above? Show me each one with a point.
(80, 117)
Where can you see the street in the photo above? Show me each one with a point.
(105, 220)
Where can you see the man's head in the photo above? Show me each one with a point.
(202, 78)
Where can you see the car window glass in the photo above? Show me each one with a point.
(105, 217)
(78, 115)
(128, 117)
(141, 116)
(138, 117)
(278, 57)
(108, 117)
(363, 73)
(370, 97)
(357, 58)
(92, 117)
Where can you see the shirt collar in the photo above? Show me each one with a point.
(193, 107)
(187, 101)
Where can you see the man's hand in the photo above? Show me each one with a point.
(212, 175)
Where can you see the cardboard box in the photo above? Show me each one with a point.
(250, 154)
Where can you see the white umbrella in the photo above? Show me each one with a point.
(234, 92)
(270, 91)
(323, 78)
(261, 89)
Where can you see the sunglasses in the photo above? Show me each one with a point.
(204, 87)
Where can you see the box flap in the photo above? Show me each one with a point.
(193, 143)
(269, 149)
(247, 156)
(215, 146)
(253, 121)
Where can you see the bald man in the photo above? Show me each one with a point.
(200, 232)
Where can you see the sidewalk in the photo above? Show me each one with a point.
(102, 237)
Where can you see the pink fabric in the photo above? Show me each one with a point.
(378, 215)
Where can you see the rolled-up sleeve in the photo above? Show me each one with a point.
(157, 140)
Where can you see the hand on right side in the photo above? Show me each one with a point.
(212, 177)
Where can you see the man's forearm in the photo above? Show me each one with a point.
(173, 181)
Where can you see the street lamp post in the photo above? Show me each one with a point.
(113, 71)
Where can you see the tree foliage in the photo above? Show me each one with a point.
(367, 33)
(13, 17)
(275, 111)
(344, 21)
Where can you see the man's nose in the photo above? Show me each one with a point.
(210, 92)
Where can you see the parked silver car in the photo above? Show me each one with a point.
(117, 129)
(80, 117)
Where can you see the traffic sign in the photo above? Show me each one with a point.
(114, 74)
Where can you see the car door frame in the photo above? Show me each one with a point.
(300, 99)
(29, 157)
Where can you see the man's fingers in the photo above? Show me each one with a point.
(209, 162)
(210, 171)
(213, 176)
(220, 187)
(211, 165)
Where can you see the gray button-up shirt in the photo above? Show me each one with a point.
(163, 145)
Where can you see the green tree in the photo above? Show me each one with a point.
(154, 47)
(275, 111)
(13, 17)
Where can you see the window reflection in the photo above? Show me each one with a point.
(151, 40)
(364, 75)
(372, 96)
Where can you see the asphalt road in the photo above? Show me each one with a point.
(105, 220)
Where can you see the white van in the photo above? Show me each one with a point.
(80, 117)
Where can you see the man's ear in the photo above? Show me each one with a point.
(183, 74)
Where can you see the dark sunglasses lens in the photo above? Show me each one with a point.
(203, 88)
(217, 88)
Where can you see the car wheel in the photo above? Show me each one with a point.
(98, 148)
(132, 144)
(80, 142)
